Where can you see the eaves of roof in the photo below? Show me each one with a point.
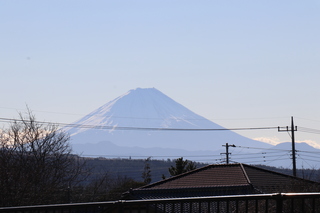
(190, 192)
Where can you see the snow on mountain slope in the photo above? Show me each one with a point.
(145, 108)
(149, 108)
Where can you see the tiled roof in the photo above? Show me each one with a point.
(272, 182)
(224, 179)
(209, 176)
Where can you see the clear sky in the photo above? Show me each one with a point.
(239, 63)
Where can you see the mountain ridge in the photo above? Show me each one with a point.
(150, 108)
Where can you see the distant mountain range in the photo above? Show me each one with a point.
(145, 122)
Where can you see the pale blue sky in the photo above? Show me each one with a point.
(237, 63)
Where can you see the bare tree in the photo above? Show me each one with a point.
(36, 164)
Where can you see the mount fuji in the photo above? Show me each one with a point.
(149, 119)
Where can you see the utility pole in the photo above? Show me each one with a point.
(227, 151)
(292, 130)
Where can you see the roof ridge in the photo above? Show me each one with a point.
(249, 181)
(245, 173)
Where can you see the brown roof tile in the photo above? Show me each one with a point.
(224, 180)
(209, 176)
(272, 182)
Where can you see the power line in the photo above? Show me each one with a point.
(263, 153)
(258, 157)
(310, 152)
(136, 128)
(247, 147)
(309, 130)
(166, 129)
(308, 119)
(149, 118)
(146, 156)
(309, 159)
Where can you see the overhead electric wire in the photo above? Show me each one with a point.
(306, 162)
(313, 152)
(264, 157)
(314, 160)
(264, 160)
(311, 156)
(237, 156)
(259, 148)
(309, 130)
(136, 128)
(247, 162)
(86, 115)
(152, 156)
(262, 154)
(234, 156)
(307, 119)
(308, 155)
(253, 162)
(270, 161)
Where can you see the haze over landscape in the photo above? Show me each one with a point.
(146, 123)
(235, 64)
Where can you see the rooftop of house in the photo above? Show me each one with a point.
(224, 179)
(209, 176)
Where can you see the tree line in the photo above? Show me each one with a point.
(38, 167)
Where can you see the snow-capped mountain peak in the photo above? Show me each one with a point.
(145, 108)
(150, 108)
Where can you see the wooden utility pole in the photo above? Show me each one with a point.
(227, 151)
(292, 130)
(293, 149)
